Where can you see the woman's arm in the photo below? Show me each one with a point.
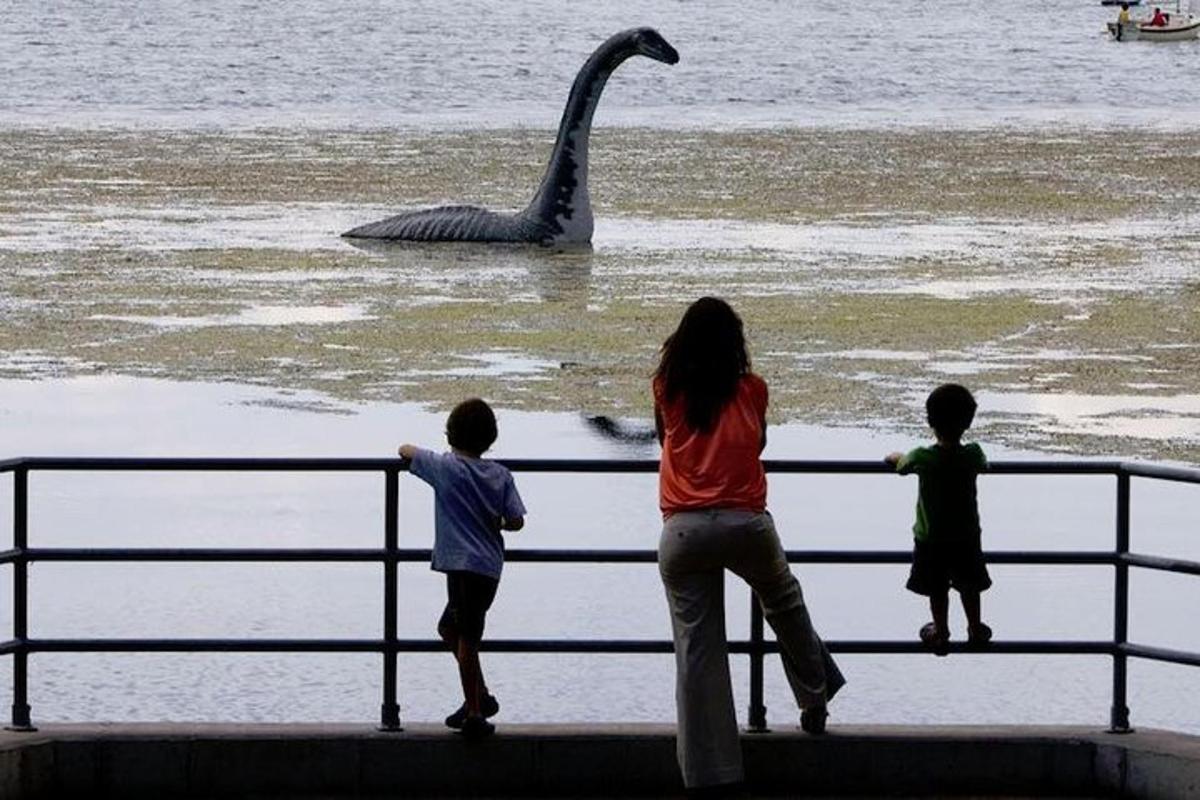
(659, 431)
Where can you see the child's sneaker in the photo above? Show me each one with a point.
(477, 728)
(979, 635)
(488, 705)
(938, 641)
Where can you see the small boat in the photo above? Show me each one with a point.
(1178, 29)
(1177, 26)
(1130, 3)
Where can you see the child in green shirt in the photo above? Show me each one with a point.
(946, 548)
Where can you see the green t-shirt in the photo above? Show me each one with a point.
(946, 505)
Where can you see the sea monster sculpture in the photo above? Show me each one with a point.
(560, 212)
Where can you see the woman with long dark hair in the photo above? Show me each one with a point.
(710, 414)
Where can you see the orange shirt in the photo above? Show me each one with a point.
(718, 469)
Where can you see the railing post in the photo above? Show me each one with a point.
(1119, 718)
(390, 712)
(757, 722)
(20, 703)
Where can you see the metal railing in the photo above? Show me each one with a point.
(389, 646)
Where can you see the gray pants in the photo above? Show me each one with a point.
(695, 549)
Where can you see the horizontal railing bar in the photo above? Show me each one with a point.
(565, 556)
(204, 646)
(342, 464)
(9, 556)
(1078, 557)
(831, 466)
(580, 465)
(1161, 472)
(1016, 647)
(1177, 565)
(314, 464)
(127, 464)
(336, 645)
(83, 554)
(10, 646)
(858, 647)
(1162, 654)
(880, 647)
(1054, 467)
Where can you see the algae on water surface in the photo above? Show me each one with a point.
(868, 266)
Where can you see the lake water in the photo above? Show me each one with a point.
(96, 416)
(172, 181)
(430, 63)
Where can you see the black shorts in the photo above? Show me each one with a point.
(937, 567)
(469, 595)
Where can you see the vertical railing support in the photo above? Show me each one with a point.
(20, 702)
(1119, 719)
(390, 712)
(757, 722)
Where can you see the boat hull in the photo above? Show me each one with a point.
(1145, 33)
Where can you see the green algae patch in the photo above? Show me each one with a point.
(776, 175)
(831, 358)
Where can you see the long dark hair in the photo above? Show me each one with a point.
(703, 360)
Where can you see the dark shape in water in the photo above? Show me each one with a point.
(612, 429)
(561, 211)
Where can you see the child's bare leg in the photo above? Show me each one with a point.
(471, 674)
(455, 642)
(450, 636)
(970, 604)
(939, 606)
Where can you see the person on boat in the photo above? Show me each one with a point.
(1123, 17)
(1159, 20)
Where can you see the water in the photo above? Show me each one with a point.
(236, 63)
(172, 181)
(96, 415)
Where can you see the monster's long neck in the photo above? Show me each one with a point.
(563, 194)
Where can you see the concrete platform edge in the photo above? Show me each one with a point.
(341, 760)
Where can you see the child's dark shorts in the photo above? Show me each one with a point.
(470, 596)
(938, 566)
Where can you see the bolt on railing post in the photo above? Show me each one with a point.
(757, 722)
(390, 712)
(1119, 718)
(20, 702)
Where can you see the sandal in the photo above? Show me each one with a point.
(477, 728)
(979, 635)
(938, 641)
(812, 720)
(488, 705)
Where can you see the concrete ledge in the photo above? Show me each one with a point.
(199, 761)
